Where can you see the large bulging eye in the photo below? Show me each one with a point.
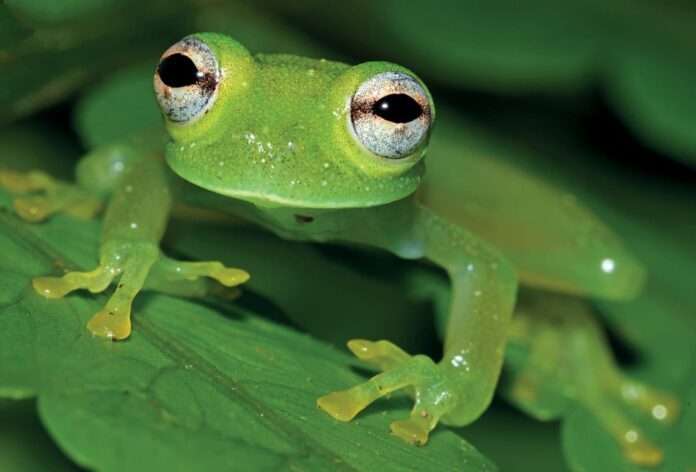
(390, 114)
(186, 80)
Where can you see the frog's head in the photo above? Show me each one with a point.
(282, 130)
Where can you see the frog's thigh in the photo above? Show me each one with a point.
(566, 361)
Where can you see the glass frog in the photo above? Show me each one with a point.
(320, 151)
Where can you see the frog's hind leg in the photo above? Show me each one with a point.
(559, 358)
(37, 196)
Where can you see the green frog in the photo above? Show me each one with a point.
(320, 151)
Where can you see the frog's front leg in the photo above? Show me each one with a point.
(134, 223)
(457, 389)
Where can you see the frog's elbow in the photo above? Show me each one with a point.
(620, 277)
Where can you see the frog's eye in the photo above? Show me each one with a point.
(186, 80)
(390, 115)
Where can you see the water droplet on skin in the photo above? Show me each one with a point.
(458, 361)
(659, 412)
(608, 266)
(631, 436)
(629, 392)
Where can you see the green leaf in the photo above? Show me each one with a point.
(119, 108)
(656, 100)
(24, 443)
(195, 387)
(11, 30)
(41, 11)
(27, 146)
(58, 59)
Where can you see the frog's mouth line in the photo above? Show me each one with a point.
(271, 200)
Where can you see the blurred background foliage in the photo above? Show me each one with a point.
(596, 96)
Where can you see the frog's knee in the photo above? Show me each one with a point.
(619, 277)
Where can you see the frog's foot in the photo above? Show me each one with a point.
(611, 407)
(622, 394)
(419, 374)
(38, 196)
(569, 364)
(133, 265)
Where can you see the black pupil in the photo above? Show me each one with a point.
(178, 70)
(397, 108)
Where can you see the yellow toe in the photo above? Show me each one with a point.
(361, 348)
(231, 277)
(645, 455)
(107, 325)
(50, 287)
(410, 431)
(341, 405)
(33, 210)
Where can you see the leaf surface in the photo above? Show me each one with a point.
(195, 387)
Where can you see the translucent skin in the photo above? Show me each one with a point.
(275, 148)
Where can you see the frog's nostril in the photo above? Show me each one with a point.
(178, 70)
